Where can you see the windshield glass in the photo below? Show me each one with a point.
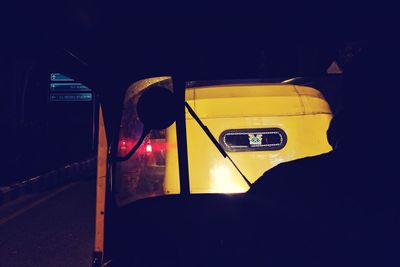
(143, 174)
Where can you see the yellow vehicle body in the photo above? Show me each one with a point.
(302, 113)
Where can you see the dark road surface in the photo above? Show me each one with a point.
(55, 229)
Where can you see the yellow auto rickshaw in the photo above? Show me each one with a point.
(258, 124)
(235, 130)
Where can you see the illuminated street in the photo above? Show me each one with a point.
(56, 231)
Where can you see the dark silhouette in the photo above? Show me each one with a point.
(340, 208)
(336, 209)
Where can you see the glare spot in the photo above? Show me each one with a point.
(223, 181)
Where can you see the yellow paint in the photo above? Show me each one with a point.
(302, 112)
(101, 185)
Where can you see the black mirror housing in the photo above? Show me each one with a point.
(157, 108)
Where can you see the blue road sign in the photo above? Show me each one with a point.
(70, 97)
(69, 87)
(59, 77)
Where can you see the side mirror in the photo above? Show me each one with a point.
(157, 108)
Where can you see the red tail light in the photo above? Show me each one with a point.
(149, 148)
(123, 145)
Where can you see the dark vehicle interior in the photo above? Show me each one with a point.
(337, 209)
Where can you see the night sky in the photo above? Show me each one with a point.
(108, 45)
